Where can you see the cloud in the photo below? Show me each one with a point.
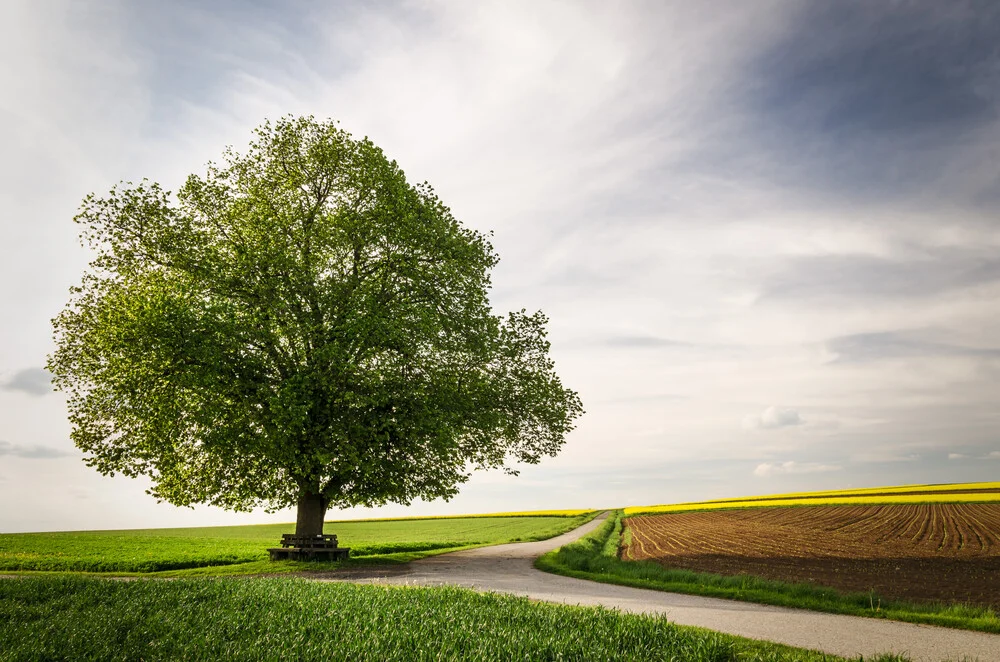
(995, 455)
(79, 493)
(884, 455)
(864, 347)
(34, 381)
(957, 456)
(31, 452)
(860, 277)
(792, 467)
(642, 342)
(852, 89)
(643, 398)
(773, 418)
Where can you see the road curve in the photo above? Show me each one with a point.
(509, 569)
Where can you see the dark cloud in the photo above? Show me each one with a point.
(866, 347)
(852, 276)
(30, 452)
(877, 97)
(36, 381)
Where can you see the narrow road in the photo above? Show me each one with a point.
(508, 569)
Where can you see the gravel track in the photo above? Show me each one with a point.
(509, 569)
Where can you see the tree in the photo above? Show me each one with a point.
(300, 326)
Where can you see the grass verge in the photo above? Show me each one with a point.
(81, 618)
(595, 557)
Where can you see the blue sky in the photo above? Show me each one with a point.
(766, 233)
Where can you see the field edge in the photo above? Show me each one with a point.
(595, 557)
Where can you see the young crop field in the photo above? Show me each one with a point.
(946, 552)
(243, 548)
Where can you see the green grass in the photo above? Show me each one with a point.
(595, 557)
(78, 618)
(243, 549)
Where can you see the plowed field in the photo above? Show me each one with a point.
(947, 552)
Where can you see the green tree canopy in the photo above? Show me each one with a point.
(299, 326)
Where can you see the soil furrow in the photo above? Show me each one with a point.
(917, 552)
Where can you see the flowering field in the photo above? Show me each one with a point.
(905, 494)
(519, 513)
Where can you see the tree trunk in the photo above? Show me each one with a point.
(312, 509)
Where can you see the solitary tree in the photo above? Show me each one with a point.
(301, 327)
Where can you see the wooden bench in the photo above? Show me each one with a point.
(320, 547)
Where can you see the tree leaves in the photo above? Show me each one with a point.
(299, 318)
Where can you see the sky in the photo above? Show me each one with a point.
(766, 233)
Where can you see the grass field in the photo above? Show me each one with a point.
(258, 619)
(242, 549)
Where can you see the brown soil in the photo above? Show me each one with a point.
(943, 552)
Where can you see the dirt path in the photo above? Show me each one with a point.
(508, 569)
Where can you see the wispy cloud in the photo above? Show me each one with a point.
(34, 381)
(773, 418)
(792, 467)
(852, 277)
(31, 452)
(863, 347)
(884, 456)
(643, 399)
(642, 342)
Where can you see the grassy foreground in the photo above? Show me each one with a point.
(595, 557)
(255, 619)
(243, 549)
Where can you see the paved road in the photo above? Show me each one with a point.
(508, 569)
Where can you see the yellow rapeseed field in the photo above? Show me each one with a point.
(897, 489)
(952, 493)
(520, 513)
